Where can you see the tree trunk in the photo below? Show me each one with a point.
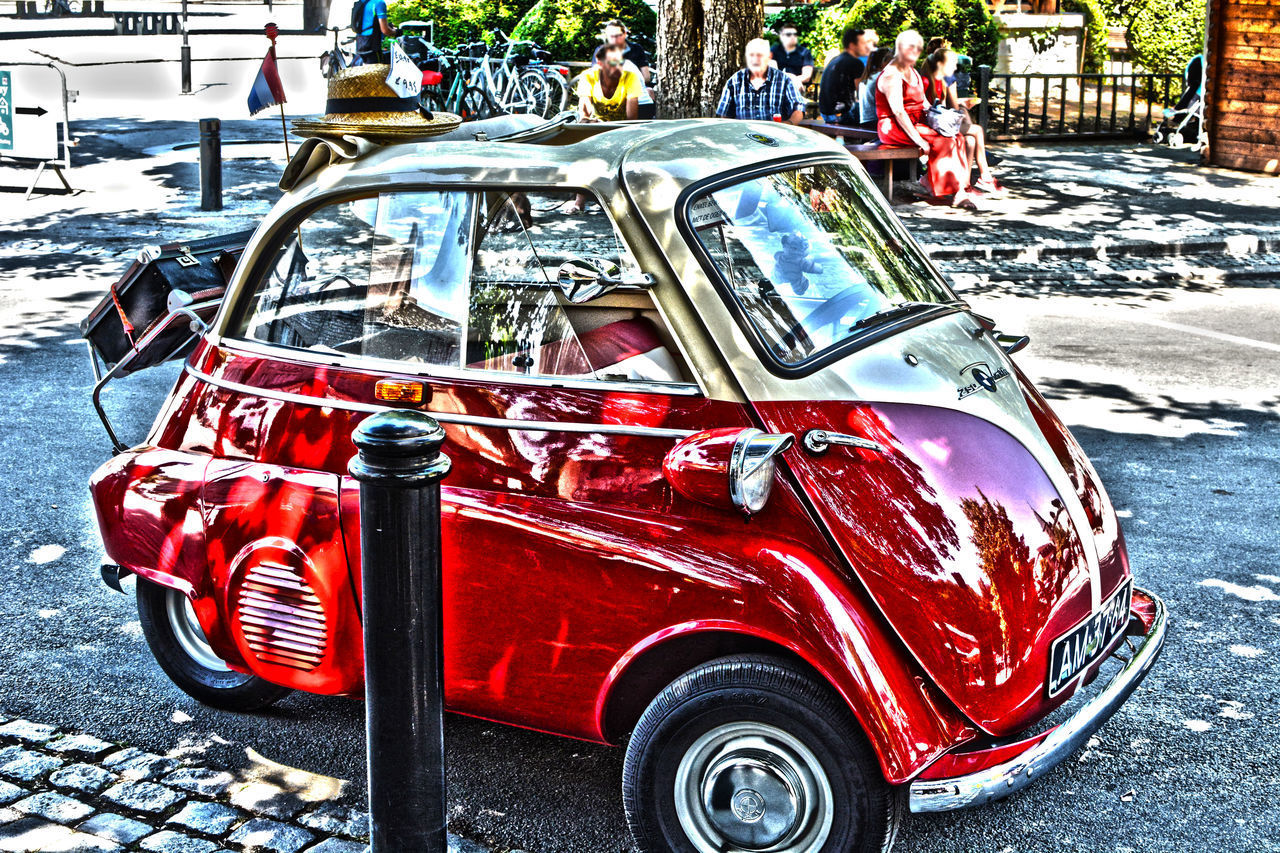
(729, 25)
(700, 44)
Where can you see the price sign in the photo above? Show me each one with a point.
(405, 78)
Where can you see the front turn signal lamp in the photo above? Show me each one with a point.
(731, 467)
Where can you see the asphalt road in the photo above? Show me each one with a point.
(1173, 394)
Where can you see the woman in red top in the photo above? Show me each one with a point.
(900, 108)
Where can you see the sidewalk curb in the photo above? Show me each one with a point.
(1132, 278)
(62, 790)
(1260, 243)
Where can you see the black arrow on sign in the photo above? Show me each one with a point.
(30, 111)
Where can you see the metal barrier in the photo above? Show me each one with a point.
(146, 23)
(29, 124)
(1072, 106)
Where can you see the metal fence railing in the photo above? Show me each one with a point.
(1072, 106)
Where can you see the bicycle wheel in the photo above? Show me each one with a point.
(477, 104)
(431, 100)
(557, 92)
(534, 90)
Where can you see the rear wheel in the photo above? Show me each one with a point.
(179, 645)
(557, 93)
(533, 92)
(748, 753)
(476, 104)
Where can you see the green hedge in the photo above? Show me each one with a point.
(570, 29)
(1095, 25)
(460, 21)
(967, 24)
(1165, 34)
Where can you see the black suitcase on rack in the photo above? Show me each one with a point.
(139, 299)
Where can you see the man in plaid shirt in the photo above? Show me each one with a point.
(759, 92)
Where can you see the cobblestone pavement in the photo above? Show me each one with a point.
(68, 792)
(1123, 198)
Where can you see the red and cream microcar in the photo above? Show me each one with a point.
(737, 479)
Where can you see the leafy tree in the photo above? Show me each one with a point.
(460, 21)
(967, 24)
(1163, 34)
(570, 29)
(1095, 25)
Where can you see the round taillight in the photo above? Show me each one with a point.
(730, 467)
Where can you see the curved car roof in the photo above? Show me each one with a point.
(678, 151)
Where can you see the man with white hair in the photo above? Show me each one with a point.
(760, 92)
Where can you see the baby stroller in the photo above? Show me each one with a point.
(1184, 122)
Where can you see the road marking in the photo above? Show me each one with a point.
(1208, 333)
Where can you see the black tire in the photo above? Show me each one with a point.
(476, 104)
(158, 608)
(783, 707)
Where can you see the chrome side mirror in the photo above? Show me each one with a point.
(584, 279)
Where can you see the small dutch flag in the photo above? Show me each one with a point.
(267, 90)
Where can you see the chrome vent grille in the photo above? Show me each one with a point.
(281, 617)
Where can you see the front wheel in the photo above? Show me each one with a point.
(178, 643)
(748, 753)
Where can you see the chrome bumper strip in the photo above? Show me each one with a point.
(984, 786)
(442, 417)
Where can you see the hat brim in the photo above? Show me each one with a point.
(393, 126)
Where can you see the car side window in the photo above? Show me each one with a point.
(383, 277)
(518, 320)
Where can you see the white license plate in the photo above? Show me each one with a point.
(1081, 647)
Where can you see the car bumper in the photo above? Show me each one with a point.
(994, 783)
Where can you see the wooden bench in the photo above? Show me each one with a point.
(868, 151)
(865, 145)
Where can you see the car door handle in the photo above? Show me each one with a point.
(819, 440)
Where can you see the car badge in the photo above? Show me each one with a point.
(984, 379)
(763, 140)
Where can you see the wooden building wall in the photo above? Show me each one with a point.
(1242, 87)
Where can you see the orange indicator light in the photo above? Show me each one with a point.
(398, 391)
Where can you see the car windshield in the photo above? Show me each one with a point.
(811, 260)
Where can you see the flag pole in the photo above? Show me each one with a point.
(272, 31)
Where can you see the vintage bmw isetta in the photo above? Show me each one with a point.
(737, 479)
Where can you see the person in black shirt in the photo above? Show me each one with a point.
(616, 32)
(791, 57)
(838, 89)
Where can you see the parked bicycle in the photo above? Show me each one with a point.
(335, 60)
(479, 80)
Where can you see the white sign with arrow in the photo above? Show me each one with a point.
(30, 110)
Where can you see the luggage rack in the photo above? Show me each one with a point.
(180, 306)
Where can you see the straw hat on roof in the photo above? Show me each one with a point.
(362, 104)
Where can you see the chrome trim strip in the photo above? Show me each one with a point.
(984, 786)
(337, 359)
(444, 417)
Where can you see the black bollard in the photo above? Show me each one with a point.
(185, 53)
(400, 466)
(210, 164)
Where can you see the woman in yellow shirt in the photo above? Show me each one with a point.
(607, 91)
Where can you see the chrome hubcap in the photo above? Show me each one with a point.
(187, 631)
(752, 787)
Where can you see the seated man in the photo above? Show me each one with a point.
(838, 92)
(760, 92)
(791, 57)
